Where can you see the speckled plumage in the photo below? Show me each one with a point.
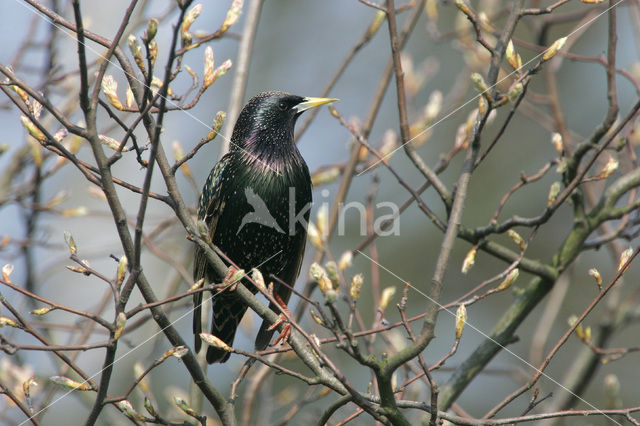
(263, 165)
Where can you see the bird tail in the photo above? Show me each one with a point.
(228, 310)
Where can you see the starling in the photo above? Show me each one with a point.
(256, 204)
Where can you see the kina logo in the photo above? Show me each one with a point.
(260, 213)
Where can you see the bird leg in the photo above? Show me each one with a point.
(286, 330)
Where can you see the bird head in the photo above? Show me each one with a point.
(267, 121)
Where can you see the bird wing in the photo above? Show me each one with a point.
(209, 208)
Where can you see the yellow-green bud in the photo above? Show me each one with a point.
(509, 279)
(4, 321)
(122, 270)
(376, 23)
(184, 406)
(257, 277)
(556, 140)
(595, 274)
(478, 82)
(461, 319)
(330, 296)
(7, 270)
(70, 242)
(345, 260)
(136, 51)
(387, 294)
(515, 92)
(209, 67)
(121, 320)
(512, 57)
(624, 258)
(318, 274)
(42, 311)
(325, 176)
(216, 342)
(517, 239)
(314, 235)
(152, 29)
(69, 384)
(149, 407)
(356, 285)
(469, 260)
(609, 168)
(232, 15)
(554, 48)
(332, 272)
(554, 190)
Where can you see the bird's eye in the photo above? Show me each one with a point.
(282, 106)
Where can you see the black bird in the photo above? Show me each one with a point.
(256, 203)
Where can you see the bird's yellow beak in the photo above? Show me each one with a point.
(313, 102)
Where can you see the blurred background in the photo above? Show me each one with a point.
(298, 47)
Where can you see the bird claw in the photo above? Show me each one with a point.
(282, 318)
(286, 330)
